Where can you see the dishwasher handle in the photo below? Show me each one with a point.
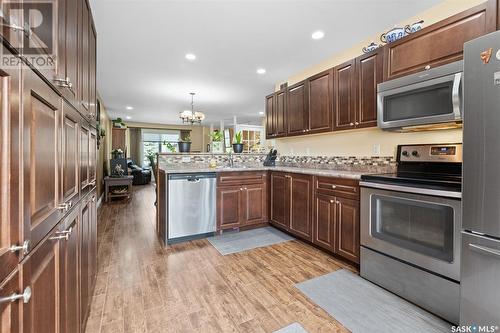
(191, 177)
(193, 180)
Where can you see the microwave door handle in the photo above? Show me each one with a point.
(455, 96)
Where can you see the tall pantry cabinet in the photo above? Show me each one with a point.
(48, 156)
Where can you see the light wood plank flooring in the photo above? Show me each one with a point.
(190, 287)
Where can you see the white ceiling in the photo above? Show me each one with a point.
(142, 44)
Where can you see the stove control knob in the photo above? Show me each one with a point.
(414, 153)
(404, 153)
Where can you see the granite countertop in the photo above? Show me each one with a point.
(308, 171)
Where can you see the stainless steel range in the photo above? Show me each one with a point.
(410, 227)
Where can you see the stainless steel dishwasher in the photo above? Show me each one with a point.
(191, 206)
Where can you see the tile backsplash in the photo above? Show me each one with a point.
(202, 160)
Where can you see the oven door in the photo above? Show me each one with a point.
(434, 101)
(423, 230)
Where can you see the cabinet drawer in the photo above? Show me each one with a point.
(241, 178)
(347, 188)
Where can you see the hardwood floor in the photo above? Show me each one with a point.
(190, 287)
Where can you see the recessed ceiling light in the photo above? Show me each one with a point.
(190, 56)
(261, 113)
(261, 71)
(128, 107)
(318, 34)
(128, 117)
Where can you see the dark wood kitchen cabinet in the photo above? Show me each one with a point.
(369, 73)
(297, 109)
(84, 53)
(275, 114)
(439, 43)
(325, 221)
(347, 242)
(10, 152)
(10, 312)
(279, 199)
(344, 87)
(41, 157)
(291, 203)
(241, 199)
(320, 100)
(84, 154)
(70, 157)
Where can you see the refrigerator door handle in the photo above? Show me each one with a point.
(485, 250)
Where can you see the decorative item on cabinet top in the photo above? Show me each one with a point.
(371, 47)
(393, 35)
(412, 28)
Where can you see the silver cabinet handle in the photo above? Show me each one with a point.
(26, 28)
(25, 248)
(65, 232)
(93, 199)
(62, 234)
(25, 296)
(64, 83)
(334, 186)
(352, 124)
(64, 207)
(485, 249)
(427, 67)
(241, 188)
(332, 201)
(65, 237)
(356, 123)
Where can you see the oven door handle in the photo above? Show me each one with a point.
(455, 95)
(416, 190)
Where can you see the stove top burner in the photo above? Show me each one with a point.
(416, 179)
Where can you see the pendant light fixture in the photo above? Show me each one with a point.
(190, 116)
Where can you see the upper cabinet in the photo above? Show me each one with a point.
(297, 109)
(369, 72)
(275, 114)
(440, 43)
(320, 101)
(344, 95)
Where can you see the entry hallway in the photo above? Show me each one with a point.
(191, 287)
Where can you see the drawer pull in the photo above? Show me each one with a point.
(332, 201)
(64, 207)
(334, 186)
(25, 296)
(485, 249)
(24, 248)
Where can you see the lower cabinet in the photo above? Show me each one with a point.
(10, 309)
(347, 238)
(291, 203)
(241, 199)
(325, 221)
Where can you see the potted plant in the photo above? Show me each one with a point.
(185, 144)
(237, 143)
(118, 122)
(217, 142)
(170, 146)
(117, 153)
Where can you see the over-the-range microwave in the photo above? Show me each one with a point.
(426, 100)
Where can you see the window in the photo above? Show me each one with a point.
(158, 141)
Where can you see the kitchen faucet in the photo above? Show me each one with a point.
(231, 160)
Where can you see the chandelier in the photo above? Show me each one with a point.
(190, 116)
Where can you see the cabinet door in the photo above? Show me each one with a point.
(92, 73)
(438, 44)
(369, 69)
(280, 119)
(41, 272)
(229, 201)
(10, 168)
(347, 242)
(270, 105)
(70, 143)
(41, 157)
(92, 157)
(69, 270)
(280, 199)
(344, 96)
(85, 296)
(66, 78)
(255, 203)
(297, 109)
(84, 154)
(12, 17)
(324, 221)
(10, 312)
(301, 205)
(84, 56)
(320, 100)
(93, 239)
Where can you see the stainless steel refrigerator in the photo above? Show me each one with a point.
(480, 271)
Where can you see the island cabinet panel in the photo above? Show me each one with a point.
(320, 88)
(41, 157)
(300, 205)
(344, 95)
(229, 206)
(241, 199)
(10, 312)
(347, 242)
(324, 222)
(297, 109)
(369, 73)
(280, 199)
(438, 44)
(10, 171)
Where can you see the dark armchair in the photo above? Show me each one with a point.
(142, 175)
